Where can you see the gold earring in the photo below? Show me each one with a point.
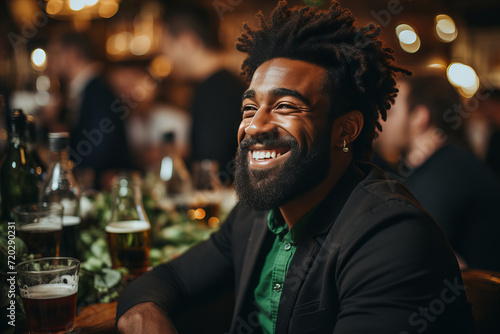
(345, 149)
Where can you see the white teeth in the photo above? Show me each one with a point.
(261, 155)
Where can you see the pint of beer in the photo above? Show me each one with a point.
(40, 227)
(128, 231)
(129, 245)
(48, 288)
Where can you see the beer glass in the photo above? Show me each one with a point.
(40, 227)
(128, 231)
(48, 288)
(205, 202)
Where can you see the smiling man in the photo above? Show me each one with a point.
(319, 242)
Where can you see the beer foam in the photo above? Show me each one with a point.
(41, 227)
(129, 226)
(48, 291)
(71, 220)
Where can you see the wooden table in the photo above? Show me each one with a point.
(96, 319)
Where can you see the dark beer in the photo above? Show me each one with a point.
(43, 240)
(69, 239)
(129, 243)
(50, 308)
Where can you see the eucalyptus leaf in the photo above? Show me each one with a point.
(107, 279)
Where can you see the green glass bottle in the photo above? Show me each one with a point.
(31, 143)
(18, 172)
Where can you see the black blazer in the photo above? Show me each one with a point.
(371, 261)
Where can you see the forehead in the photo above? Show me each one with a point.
(304, 77)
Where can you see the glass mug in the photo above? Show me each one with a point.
(49, 288)
(40, 226)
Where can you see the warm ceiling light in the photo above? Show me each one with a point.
(140, 45)
(39, 58)
(76, 5)
(464, 78)
(161, 66)
(461, 75)
(402, 27)
(446, 29)
(408, 38)
(43, 83)
(108, 9)
(122, 41)
(54, 6)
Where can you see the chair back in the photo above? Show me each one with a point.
(482, 289)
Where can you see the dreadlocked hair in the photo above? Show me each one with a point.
(359, 69)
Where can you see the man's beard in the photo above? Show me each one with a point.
(270, 188)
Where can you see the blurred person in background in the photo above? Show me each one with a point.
(191, 41)
(149, 117)
(98, 141)
(489, 107)
(460, 192)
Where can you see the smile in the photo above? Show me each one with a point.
(264, 158)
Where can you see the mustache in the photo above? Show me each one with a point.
(287, 141)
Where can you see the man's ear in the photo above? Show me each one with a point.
(347, 128)
(420, 118)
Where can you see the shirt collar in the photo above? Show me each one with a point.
(278, 226)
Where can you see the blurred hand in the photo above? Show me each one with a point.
(145, 318)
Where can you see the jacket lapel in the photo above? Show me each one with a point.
(311, 242)
(299, 267)
(253, 249)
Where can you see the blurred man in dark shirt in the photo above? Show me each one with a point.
(97, 130)
(458, 191)
(490, 107)
(191, 40)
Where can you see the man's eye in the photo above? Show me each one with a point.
(248, 108)
(286, 106)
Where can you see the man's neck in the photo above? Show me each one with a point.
(424, 146)
(295, 209)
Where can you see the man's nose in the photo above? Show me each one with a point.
(261, 124)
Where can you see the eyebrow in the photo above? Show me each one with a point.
(278, 92)
(248, 94)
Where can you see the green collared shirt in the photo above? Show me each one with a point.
(268, 291)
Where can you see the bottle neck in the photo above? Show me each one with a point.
(60, 157)
(169, 149)
(15, 136)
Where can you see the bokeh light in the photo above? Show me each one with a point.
(464, 78)
(408, 38)
(43, 83)
(76, 5)
(54, 6)
(446, 29)
(39, 59)
(108, 9)
(140, 45)
(161, 66)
